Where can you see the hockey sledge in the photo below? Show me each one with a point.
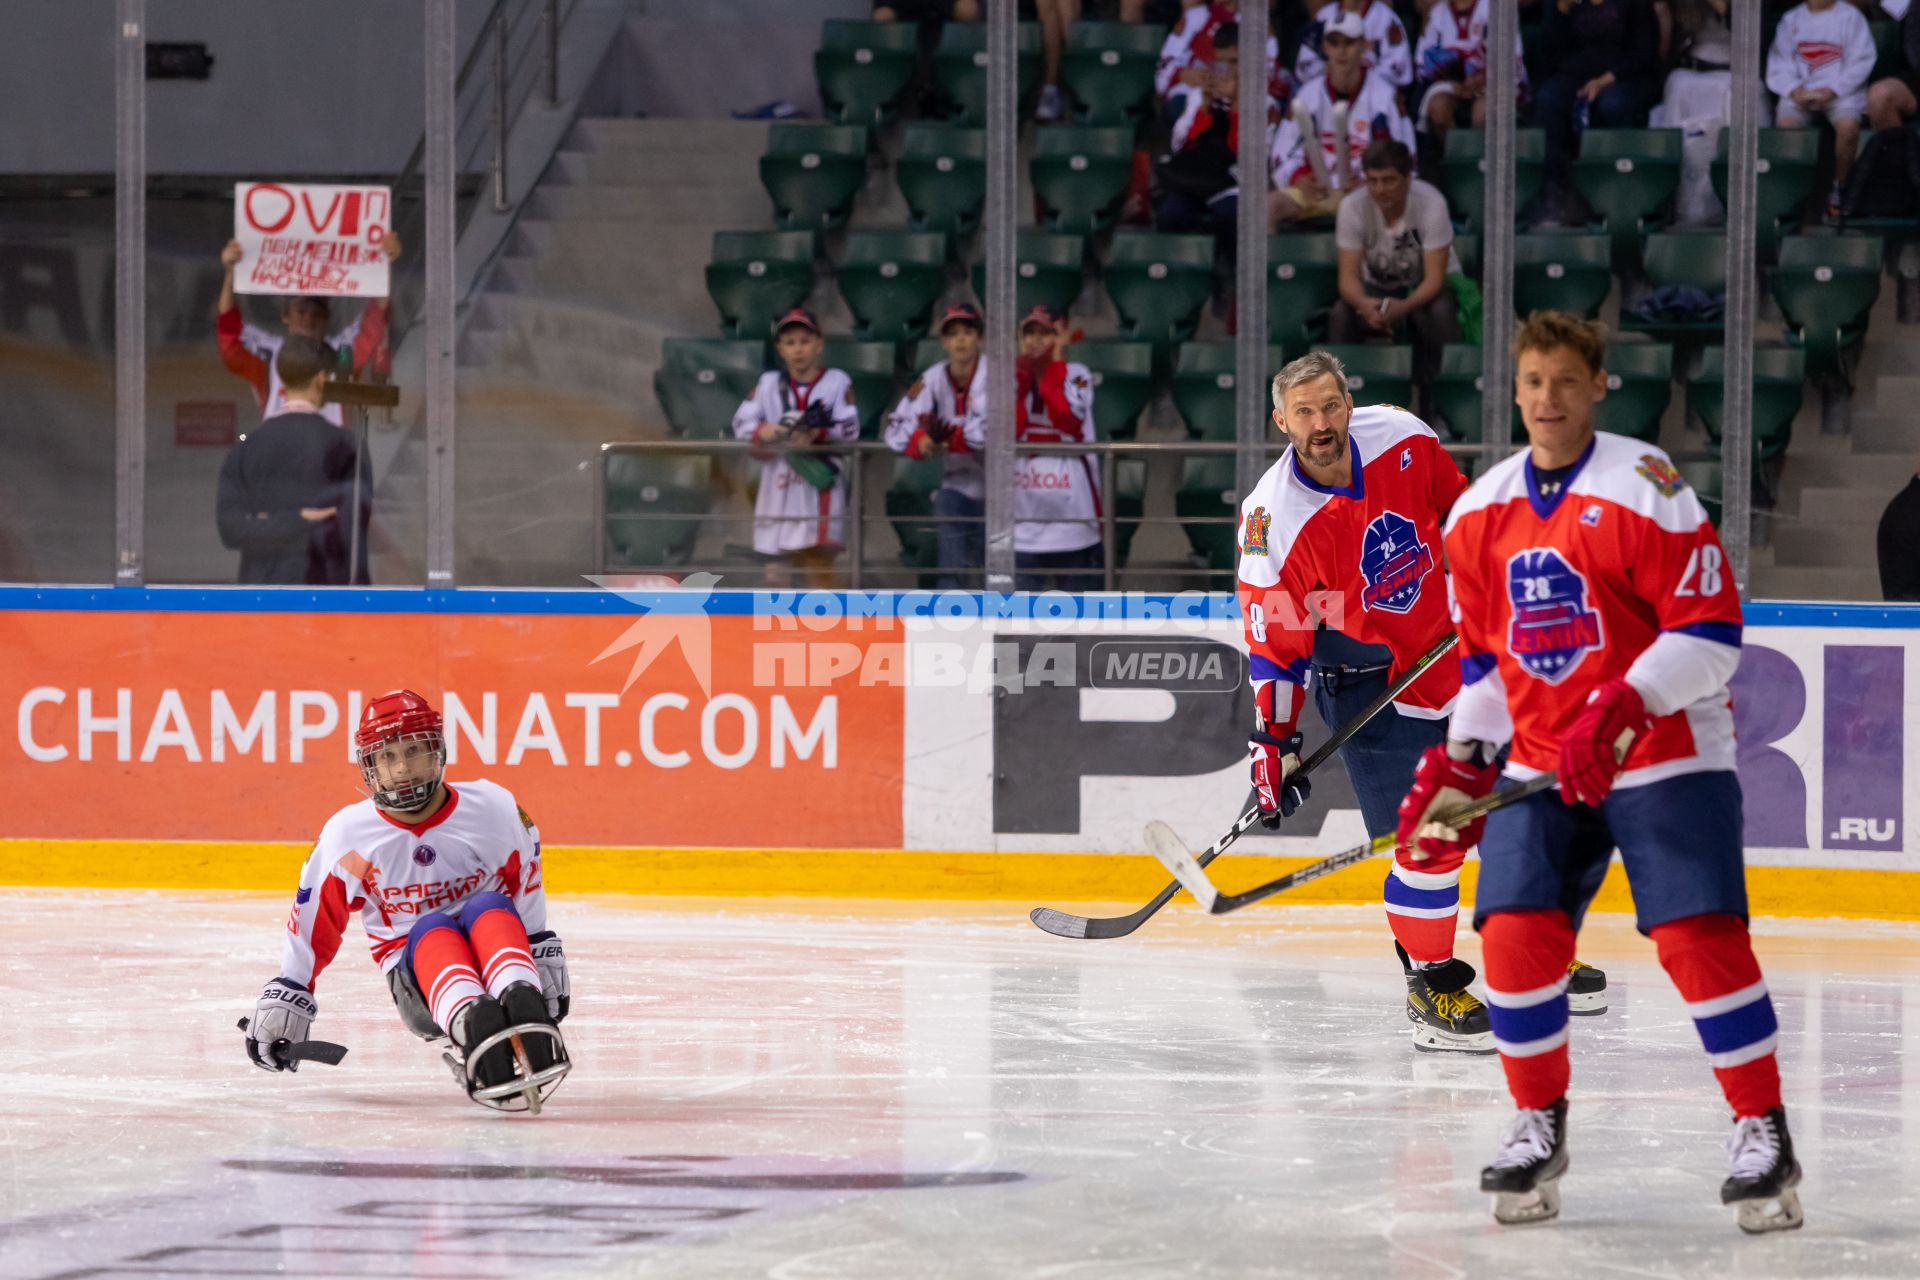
(529, 1089)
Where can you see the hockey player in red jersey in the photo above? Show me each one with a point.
(1344, 531)
(1599, 624)
(447, 883)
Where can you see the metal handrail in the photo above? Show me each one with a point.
(1109, 453)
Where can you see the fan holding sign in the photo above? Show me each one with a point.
(307, 243)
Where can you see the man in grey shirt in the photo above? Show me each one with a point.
(1396, 249)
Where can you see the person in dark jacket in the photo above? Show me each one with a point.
(287, 488)
(1603, 60)
(1899, 545)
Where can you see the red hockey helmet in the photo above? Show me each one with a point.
(402, 750)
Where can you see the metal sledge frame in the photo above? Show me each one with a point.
(530, 1088)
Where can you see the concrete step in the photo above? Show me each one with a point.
(1784, 583)
(1886, 431)
(1839, 506)
(712, 207)
(1809, 543)
(664, 136)
(1831, 464)
(636, 167)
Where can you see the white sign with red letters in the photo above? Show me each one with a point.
(303, 238)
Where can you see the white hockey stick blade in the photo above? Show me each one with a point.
(1176, 858)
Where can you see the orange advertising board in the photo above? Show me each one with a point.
(237, 726)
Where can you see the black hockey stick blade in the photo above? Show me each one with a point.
(325, 1052)
(1062, 924)
(1174, 857)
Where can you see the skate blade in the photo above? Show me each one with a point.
(1586, 1004)
(1517, 1208)
(1432, 1040)
(1769, 1213)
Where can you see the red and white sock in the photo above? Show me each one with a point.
(443, 965)
(500, 944)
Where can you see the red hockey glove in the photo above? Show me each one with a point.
(1441, 783)
(1276, 790)
(919, 444)
(1593, 750)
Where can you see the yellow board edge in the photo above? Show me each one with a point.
(1035, 878)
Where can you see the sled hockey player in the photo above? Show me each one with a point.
(1347, 524)
(1599, 624)
(447, 883)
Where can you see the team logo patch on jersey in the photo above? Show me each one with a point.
(1394, 562)
(424, 855)
(1406, 457)
(1661, 474)
(1554, 625)
(1254, 539)
(1591, 516)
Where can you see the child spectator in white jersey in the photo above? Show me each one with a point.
(1821, 57)
(801, 508)
(942, 410)
(1313, 164)
(1056, 533)
(1451, 60)
(248, 350)
(447, 881)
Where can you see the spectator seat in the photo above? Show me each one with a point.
(701, 382)
(1628, 177)
(1826, 287)
(1565, 271)
(1704, 476)
(1122, 383)
(1675, 259)
(891, 279)
(960, 66)
(1303, 283)
(1779, 386)
(871, 367)
(909, 507)
(1107, 70)
(1639, 389)
(863, 69)
(1458, 390)
(1377, 374)
(1463, 172)
(1080, 175)
(653, 504)
(1203, 387)
(1159, 282)
(1208, 506)
(813, 172)
(1050, 268)
(756, 275)
(1788, 162)
(942, 172)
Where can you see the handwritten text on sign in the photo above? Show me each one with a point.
(307, 239)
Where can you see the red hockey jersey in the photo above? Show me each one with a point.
(1554, 595)
(1366, 560)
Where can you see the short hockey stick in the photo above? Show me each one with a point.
(1064, 925)
(1174, 857)
(321, 1051)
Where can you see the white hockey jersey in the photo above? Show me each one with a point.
(933, 400)
(393, 873)
(1190, 43)
(1373, 110)
(1057, 504)
(790, 514)
(1389, 52)
(1464, 35)
(1828, 50)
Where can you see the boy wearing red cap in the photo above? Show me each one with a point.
(944, 415)
(448, 886)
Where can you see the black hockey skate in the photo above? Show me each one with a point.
(1586, 989)
(1524, 1177)
(1762, 1174)
(512, 1054)
(1446, 1017)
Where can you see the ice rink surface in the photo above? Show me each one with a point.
(831, 1089)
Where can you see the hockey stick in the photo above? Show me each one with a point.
(322, 1051)
(1174, 857)
(1063, 925)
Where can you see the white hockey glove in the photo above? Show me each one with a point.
(551, 958)
(283, 1017)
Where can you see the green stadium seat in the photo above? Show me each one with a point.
(1703, 476)
(1377, 374)
(871, 367)
(701, 382)
(1457, 392)
(1129, 501)
(1639, 389)
(1122, 383)
(1107, 70)
(1888, 60)
(1826, 287)
(813, 172)
(653, 508)
(1049, 267)
(960, 66)
(1466, 247)
(1779, 386)
(1694, 259)
(909, 507)
(942, 172)
(891, 279)
(1303, 283)
(1159, 282)
(1208, 505)
(1463, 175)
(1203, 387)
(864, 68)
(1788, 163)
(1080, 175)
(1628, 177)
(756, 275)
(1564, 271)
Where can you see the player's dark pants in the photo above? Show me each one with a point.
(401, 982)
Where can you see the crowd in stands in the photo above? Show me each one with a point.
(1363, 99)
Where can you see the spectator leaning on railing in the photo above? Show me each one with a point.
(1056, 534)
(287, 487)
(942, 410)
(1821, 57)
(799, 514)
(247, 350)
(1396, 250)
